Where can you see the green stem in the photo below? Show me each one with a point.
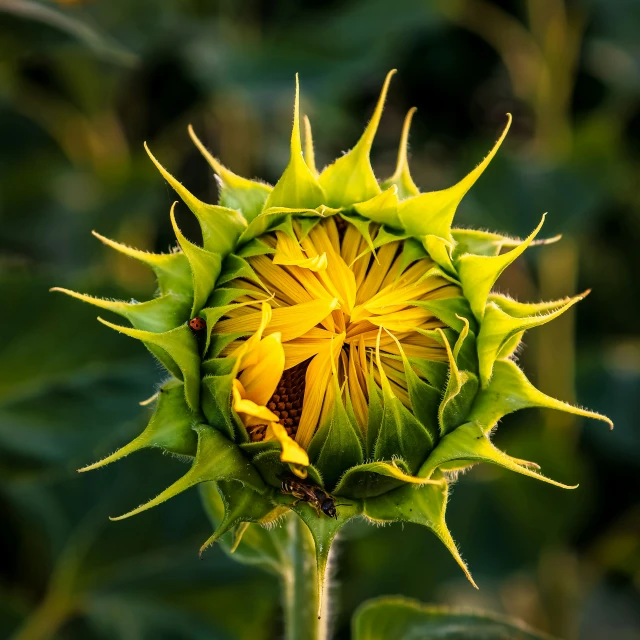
(302, 604)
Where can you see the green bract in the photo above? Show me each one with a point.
(426, 404)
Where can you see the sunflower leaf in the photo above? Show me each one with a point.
(157, 315)
(375, 478)
(216, 403)
(396, 617)
(171, 269)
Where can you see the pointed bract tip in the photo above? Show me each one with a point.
(148, 401)
(146, 148)
(90, 467)
(205, 546)
(309, 154)
(174, 224)
(551, 240)
(372, 127)
(296, 144)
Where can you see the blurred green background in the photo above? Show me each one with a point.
(83, 84)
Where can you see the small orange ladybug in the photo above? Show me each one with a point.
(198, 324)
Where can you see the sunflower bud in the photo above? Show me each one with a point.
(334, 346)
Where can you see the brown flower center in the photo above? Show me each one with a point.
(286, 402)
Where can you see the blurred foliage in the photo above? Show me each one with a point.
(83, 84)
(403, 618)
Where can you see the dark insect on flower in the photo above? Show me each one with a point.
(198, 324)
(316, 497)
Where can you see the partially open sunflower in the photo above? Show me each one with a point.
(337, 328)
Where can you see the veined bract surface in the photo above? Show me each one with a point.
(339, 329)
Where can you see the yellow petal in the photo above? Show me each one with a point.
(338, 276)
(376, 275)
(289, 252)
(245, 351)
(309, 155)
(241, 405)
(302, 349)
(279, 280)
(292, 452)
(399, 321)
(292, 322)
(358, 397)
(317, 383)
(260, 380)
(318, 263)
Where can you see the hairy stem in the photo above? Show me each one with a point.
(306, 616)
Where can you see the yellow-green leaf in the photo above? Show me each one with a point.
(216, 459)
(478, 274)
(404, 619)
(298, 187)
(171, 269)
(158, 315)
(509, 390)
(432, 213)
(170, 428)
(205, 267)
(247, 196)
(424, 505)
(181, 348)
(498, 327)
(469, 443)
(382, 208)
(401, 177)
(221, 226)
(350, 179)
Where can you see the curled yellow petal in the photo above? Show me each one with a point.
(248, 407)
(261, 378)
(292, 453)
(289, 253)
(245, 353)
